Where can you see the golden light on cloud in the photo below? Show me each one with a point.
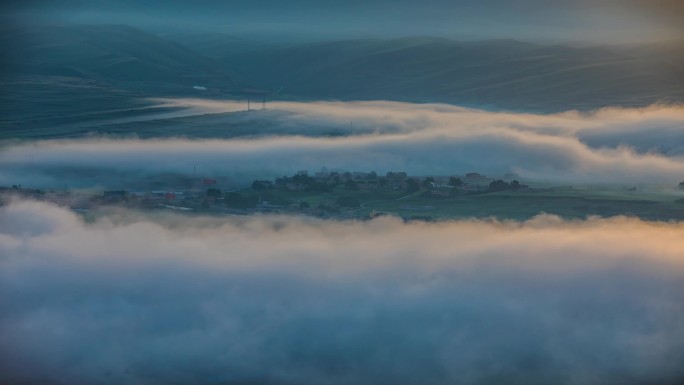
(295, 296)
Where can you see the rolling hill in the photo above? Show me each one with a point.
(500, 73)
(59, 74)
(114, 53)
(73, 77)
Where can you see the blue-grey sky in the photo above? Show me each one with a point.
(569, 20)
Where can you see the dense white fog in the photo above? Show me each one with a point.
(608, 146)
(658, 129)
(157, 299)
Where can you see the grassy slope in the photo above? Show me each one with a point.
(565, 202)
(505, 73)
(76, 75)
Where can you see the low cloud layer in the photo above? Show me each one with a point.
(609, 146)
(176, 299)
(656, 129)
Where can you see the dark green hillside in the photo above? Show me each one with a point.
(68, 80)
(114, 52)
(73, 75)
(500, 73)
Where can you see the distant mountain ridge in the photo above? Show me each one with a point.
(498, 73)
(67, 71)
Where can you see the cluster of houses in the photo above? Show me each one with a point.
(369, 181)
(322, 181)
(263, 194)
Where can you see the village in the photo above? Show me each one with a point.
(366, 195)
(322, 194)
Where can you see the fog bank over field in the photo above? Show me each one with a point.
(138, 299)
(624, 146)
(658, 128)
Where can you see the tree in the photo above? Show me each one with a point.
(427, 182)
(455, 182)
(350, 185)
(303, 205)
(515, 185)
(681, 185)
(499, 185)
(396, 176)
(372, 175)
(303, 179)
(412, 186)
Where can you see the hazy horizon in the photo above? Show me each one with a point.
(587, 22)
